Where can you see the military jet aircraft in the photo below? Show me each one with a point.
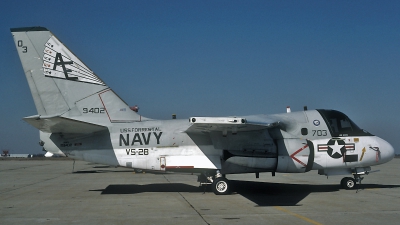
(80, 116)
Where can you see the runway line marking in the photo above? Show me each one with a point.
(297, 215)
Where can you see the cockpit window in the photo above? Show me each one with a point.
(340, 125)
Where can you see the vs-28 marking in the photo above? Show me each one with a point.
(139, 151)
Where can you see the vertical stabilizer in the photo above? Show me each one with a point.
(62, 85)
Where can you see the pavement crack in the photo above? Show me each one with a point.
(201, 216)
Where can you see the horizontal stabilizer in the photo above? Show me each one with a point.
(225, 124)
(58, 124)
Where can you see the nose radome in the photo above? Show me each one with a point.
(386, 150)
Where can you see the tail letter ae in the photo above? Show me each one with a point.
(59, 61)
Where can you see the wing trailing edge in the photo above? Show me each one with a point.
(58, 124)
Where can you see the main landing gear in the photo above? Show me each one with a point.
(219, 184)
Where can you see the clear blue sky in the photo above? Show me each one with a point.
(218, 58)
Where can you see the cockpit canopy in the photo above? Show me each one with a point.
(340, 125)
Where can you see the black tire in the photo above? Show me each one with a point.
(342, 183)
(221, 186)
(348, 183)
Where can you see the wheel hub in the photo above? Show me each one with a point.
(221, 186)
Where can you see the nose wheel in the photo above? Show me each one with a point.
(351, 183)
(348, 183)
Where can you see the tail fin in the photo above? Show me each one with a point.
(62, 85)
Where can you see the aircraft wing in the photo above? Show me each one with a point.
(232, 124)
(58, 124)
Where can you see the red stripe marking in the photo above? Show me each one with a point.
(179, 167)
(103, 103)
(323, 148)
(296, 152)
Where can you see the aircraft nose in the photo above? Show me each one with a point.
(386, 150)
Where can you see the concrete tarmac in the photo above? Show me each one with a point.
(48, 192)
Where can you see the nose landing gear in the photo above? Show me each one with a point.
(351, 183)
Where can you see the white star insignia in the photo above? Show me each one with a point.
(336, 148)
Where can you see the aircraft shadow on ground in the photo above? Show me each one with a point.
(110, 169)
(262, 194)
(103, 171)
(282, 194)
